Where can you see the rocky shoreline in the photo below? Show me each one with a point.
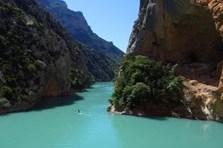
(51, 99)
(200, 102)
(139, 113)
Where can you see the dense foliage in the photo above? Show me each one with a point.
(142, 81)
(35, 52)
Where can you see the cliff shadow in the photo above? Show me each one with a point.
(53, 102)
(152, 117)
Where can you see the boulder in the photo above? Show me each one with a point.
(4, 103)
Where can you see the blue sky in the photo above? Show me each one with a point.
(110, 19)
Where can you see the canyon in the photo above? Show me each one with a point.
(187, 35)
(54, 71)
(42, 58)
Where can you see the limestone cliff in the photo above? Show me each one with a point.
(188, 33)
(37, 57)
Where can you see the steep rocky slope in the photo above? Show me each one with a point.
(102, 56)
(37, 57)
(189, 34)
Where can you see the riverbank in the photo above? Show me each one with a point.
(44, 102)
(157, 112)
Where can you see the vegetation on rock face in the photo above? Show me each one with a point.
(34, 50)
(17, 63)
(143, 81)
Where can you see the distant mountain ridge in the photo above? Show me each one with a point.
(102, 56)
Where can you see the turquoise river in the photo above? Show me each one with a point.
(93, 127)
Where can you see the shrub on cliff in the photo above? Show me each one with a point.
(141, 81)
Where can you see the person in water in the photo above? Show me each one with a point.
(78, 111)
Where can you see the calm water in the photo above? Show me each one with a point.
(63, 127)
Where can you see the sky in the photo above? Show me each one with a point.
(110, 19)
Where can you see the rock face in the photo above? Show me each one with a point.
(101, 56)
(37, 57)
(216, 8)
(188, 33)
(175, 32)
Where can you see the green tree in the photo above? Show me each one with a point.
(142, 81)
